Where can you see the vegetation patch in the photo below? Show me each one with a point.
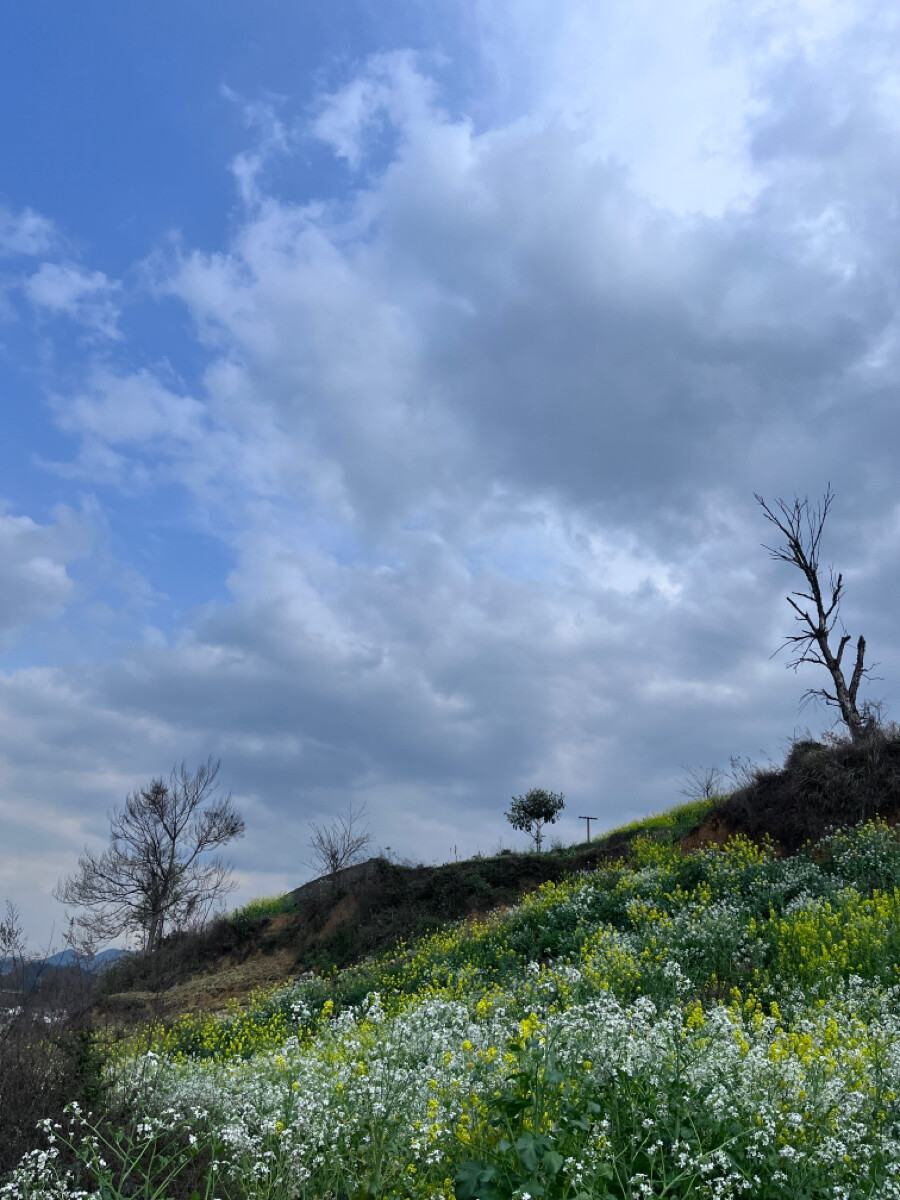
(387, 904)
(677, 822)
(718, 1024)
(820, 786)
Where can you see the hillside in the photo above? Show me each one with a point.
(323, 926)
(678, 1010)
(702, 1025)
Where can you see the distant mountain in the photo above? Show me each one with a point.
(68, 958)
(100, 962)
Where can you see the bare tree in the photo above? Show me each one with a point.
(802, 551)
(339, 844)
(81, 942)
(13, 952)
(702, 783)
(155, 876)
(12, 939)
(20, 978)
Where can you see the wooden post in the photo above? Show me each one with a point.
(588, 819)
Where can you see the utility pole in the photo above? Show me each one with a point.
(588, 819)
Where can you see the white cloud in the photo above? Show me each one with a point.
(392, 94)
(132, 409)
(272, 139)
(59, 286)
(665, 91)
(26, 233)
(65, 289)
(34, 581)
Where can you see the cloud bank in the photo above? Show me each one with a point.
(479, 436)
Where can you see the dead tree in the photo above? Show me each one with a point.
(155, 876)
(13, 969)
(802, 551)
(340, 844)
(702, 783)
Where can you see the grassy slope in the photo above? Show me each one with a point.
(704, 1025)
(821, 784)
(671, 1021)
(269, 941)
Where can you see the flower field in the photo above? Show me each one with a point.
(719, 1024)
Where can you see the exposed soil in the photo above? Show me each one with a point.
(209, 991)
(344, 911)
(714, 831)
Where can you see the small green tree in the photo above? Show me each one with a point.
(534, 810)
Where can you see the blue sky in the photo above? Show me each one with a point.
(384, 393)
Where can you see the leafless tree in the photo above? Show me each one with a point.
(155, 877)
(702, 783)
(340, 843)
(744, 771)
(81, 942)
(19, 978)
(13, 952)
(12, 939)
(802, 551)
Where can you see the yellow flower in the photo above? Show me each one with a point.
(695, 1018)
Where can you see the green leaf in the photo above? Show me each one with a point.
(474, 1180)
(578, 1123)
(527, 1152)
(552, 1162)
(513, 1106)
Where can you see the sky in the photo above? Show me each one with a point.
(384, 393)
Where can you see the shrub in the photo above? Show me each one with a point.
(821, 786)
